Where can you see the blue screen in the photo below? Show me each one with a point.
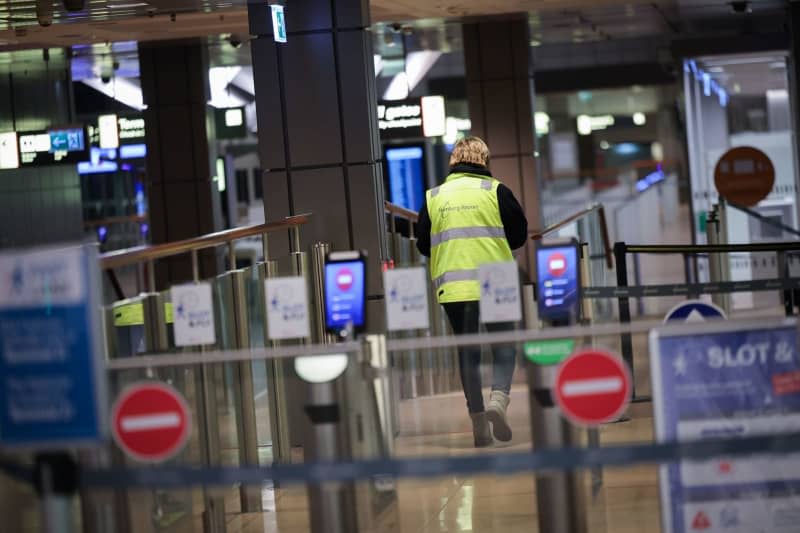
(344, 294)
(406, 176)
(557, 272)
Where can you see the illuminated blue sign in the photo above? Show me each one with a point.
(278, 23)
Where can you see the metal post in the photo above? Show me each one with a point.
(556, 493)
(782, 275)
(332, 506)
(238, 337)
(276, 383)
(320, 252)
(195, 267)
(295, 238)
(232, 255)
(151, 276)
(56, 483)
(245, 399)
(620, 259)
(716, 271)
(208, 429)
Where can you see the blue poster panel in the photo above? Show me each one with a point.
(52, 386)
(718, 380)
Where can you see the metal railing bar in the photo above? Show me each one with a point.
(402, 212)
(710, 248)
(139, 254)
(392, 345)
(537, 235)
(762, 218)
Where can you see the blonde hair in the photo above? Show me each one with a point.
(470, 150)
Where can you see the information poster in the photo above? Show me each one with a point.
(500, 301)
(406, 298)
(718, 381)
(52, 384)
(193, 314)
(287, 308)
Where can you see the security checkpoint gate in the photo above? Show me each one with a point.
(348, 417)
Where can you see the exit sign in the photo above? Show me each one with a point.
(278, 23)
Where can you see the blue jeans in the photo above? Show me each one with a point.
(465, 319)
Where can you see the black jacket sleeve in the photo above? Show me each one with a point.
(513, 217)
(424, 230)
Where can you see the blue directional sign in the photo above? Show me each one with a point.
(726, 380)
(694, 311)
(52, 384)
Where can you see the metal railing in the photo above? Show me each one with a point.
(150, 253)
(538, 235)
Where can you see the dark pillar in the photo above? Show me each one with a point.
(794, 79)
(180, 188)
(38, 205)
(317, 127)
(499, 73)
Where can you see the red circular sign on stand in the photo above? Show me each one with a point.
(150, 422)
(593, 387)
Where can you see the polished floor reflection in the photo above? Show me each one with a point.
(626, 503)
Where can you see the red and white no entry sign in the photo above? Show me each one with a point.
(593, 387)
(151, 421)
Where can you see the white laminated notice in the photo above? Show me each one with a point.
(287, 308)
(193, 314)
(500, 300)
(406, 299)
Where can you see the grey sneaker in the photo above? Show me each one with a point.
(496, 413)
(481, 430)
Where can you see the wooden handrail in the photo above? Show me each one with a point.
(538, 235)
(139, 254)
(402, 212)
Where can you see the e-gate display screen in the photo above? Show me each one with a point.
(557, 273)
(344, 294)
(406, 170)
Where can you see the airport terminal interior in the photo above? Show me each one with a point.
(230, 232)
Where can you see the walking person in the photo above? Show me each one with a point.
(470, 220)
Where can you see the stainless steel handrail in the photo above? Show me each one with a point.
(537, 235)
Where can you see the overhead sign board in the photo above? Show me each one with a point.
(406, 298)
(400, 119)
(52, 380)
(151, 422)
(57, 146)
(718, 380)
(593, 387)
(694, 311)
(744, 176)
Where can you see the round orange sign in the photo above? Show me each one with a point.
(744, 176)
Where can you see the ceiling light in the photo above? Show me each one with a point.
(715, 70)
(639, 119)
(604, 145)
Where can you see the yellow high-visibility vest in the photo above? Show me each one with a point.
(466, 232)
